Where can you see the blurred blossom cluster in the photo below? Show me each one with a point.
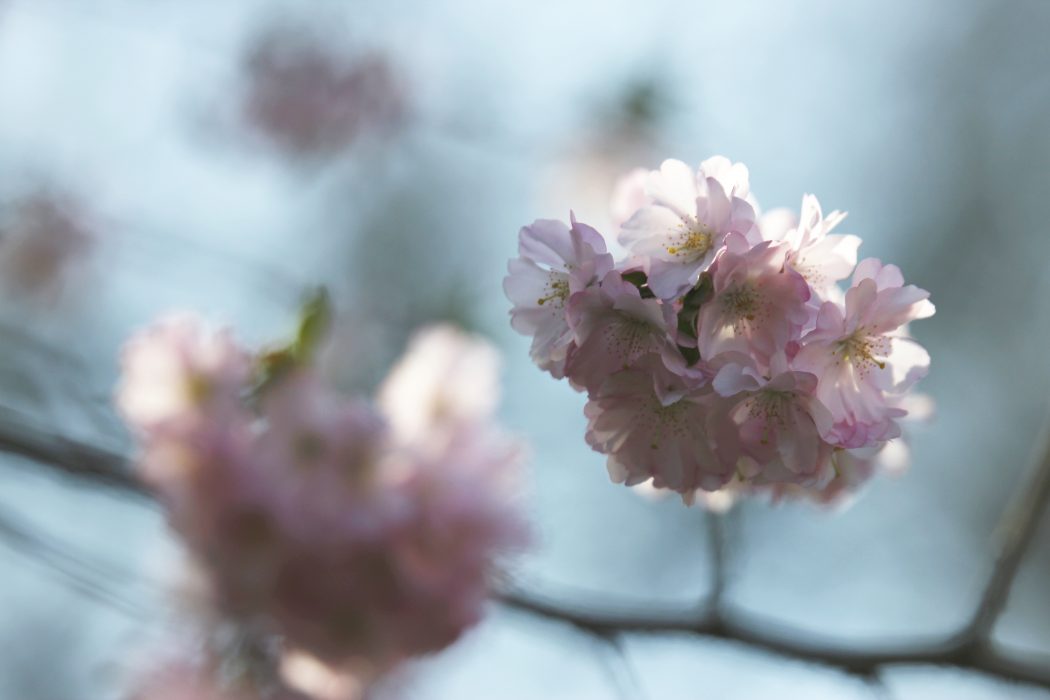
(311, 99)
(722, 355)
(358, 534)
(45, 234)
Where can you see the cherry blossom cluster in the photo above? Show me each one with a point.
(723, 354)
(357, 533)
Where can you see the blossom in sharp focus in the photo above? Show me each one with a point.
(686, 222)
(645, 437)
(862, 355)
(758, 306)
(629, 195)
(780, 421)
(613, 327)
(555, 261)
(821, 257)
(722, 353)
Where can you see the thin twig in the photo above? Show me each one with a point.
(83, 575)
(716, 536)
(1017, 529)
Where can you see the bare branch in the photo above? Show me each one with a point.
(1017, 529)
(70, 457)
(82, 461)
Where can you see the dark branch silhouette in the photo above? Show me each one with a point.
(969, 649)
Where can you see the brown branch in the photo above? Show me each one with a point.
(69, 457)
(789, 643)
(967, 650)
(1017, 529)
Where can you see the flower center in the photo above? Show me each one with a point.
(863, 350)
(741, 302)
(691, 241)
(769, 407)
(628, 337)
(667, 422)
(556, 290)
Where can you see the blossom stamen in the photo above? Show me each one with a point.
(558, 291)
(692, 241)
(742, 302)
(862, 350)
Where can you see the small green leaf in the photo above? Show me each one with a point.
(639, 280)
(315, 318)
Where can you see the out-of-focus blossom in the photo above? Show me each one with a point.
(358, 538)
(686, 221)
(179, 372)
(556, 261)
(447, 380)
(44, 236)
(312, 99)
(189, 677)
(317, 680)
(722, 355)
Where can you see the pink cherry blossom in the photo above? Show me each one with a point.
(646, 438)
(687, 220)
(312, 518)
(556, 261)
(758, 304)
(734, 177)
(723, 354)
(861, 353)
(629, 195)
(821, 257)
(613, 326)
(779, 419)
(774, 224)
(180, 371)
(446, 379)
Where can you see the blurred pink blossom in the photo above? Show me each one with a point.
(44, 235)
(312, 99)
(179, 372)
(358, 538)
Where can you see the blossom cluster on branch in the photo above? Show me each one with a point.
(722, 354)
(356, 533)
